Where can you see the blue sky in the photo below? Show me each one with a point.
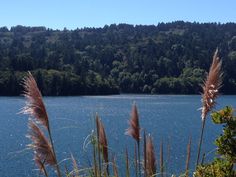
(71, 14)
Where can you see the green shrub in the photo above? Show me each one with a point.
(218, 168)
(226, 142)
(226, 147)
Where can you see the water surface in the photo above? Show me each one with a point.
(170, 118)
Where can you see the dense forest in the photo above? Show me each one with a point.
(166, 58)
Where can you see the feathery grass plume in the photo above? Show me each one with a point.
(211, 85)
(150, 157)
(127, 163)
(43, 154)
(34, 105)
(36, 109)
(188, 157)
(115, 170)
(161, 159)
(75, 167)
(210, 88)
(134, 131)
(102, 141)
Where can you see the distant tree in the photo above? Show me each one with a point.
(167, 58)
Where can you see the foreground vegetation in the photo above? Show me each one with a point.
(167, 58)
(143, 161)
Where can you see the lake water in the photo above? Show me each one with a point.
(166, 117)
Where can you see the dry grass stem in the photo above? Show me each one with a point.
(168, 155)
(66, 171)
(188, 157)
(115, 170)
(135, 160)
(75, 166)
(127, 163)
(98, 146)
(41, 165)
(144, 153)
(161, 159)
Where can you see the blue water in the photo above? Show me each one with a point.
(167, 117)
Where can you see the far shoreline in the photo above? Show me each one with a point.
(121, 94)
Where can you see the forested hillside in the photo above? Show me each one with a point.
(167, 58)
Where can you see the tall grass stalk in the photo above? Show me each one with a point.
(200, 141)
(151, 160)
(134, 131)
(102, 141)
(53, 150)
(36, 109)
(168, 156)
(41, 166)
(203, 158)
(127, 163)
(75, 166)
(161, 159)
(66, 171)
(115, 170)
(144, 153)
(93, 141)
(139, 160)
(188, 157)
(98, 146)
(135, 160)
(210, 88)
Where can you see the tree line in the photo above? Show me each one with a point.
(118, 58)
